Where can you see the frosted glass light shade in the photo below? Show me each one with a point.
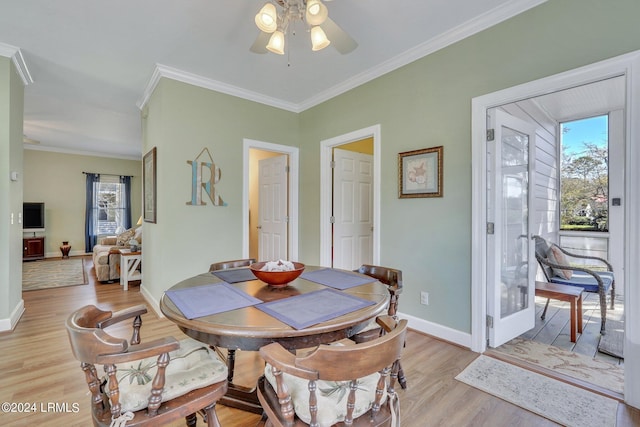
(276, 42)
(316, 12)
(319, 39)
(267, 18)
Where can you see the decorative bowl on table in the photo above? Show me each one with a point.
(276, 279)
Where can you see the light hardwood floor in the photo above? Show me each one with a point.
(36, 366)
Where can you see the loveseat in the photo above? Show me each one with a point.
(106, 254)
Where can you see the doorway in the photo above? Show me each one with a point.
(280, 164)
(329, 205)
(627, 66)
(565, 181)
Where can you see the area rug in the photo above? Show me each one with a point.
(549, 398)
(53, 274)
(572, 364)
(612, 343)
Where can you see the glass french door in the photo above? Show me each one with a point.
(511, 267)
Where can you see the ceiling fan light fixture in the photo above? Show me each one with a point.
(267, 18)
(316, 12)
(319, 39)
(276, 42)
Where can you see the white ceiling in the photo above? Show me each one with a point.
(92, 60)
(587, 100)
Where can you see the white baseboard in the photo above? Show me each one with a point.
(442, 332)
(12, 321)
(155, 304)
(58, 254)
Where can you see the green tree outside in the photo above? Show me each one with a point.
(584, 184)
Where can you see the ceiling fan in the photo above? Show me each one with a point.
(275, 23)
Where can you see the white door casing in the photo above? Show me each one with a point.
(272, 206)
(510, 259)
(352, 209)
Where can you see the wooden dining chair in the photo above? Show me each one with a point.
(335, 384)
(236, 263)
(392, 278)
(144, 384)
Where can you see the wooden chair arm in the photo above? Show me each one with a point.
(125, 314)
(387, 323)
(571, 254)
(141, 351)
(280, 358)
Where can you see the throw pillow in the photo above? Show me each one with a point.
(124, 237)
(138, 235)
(556, 256)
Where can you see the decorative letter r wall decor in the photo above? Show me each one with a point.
(209, 187)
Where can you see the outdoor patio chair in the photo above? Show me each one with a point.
(556, 266)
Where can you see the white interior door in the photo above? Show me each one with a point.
(510, 255)
(272, 207)
(352, 209)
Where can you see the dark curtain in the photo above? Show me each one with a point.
(90, 235)
(126, 180)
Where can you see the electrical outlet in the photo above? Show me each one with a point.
(424, 298)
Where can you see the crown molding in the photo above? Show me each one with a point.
(81, 152)
(18, 60)
(467, 29)
(206, 83)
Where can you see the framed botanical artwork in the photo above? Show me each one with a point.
(420, 173)
(149, 186)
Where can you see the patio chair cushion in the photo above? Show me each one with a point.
(555, 256)
(586, 281)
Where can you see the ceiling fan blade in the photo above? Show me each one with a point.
(260, 44)
(342, 41)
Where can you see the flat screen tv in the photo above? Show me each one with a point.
(33, 215)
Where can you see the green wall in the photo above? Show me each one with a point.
(424, 104)
(57, 180)
(11, 116)
(181, 121)
(428, 103)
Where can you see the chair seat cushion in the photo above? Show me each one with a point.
(194, 365)
(586, 281)
(332, 396)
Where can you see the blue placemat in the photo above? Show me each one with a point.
(210, 299)
(235, 276)
(304, 310)
(337, 279)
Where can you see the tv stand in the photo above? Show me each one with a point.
(33, 248)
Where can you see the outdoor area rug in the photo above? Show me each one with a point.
(575, 365)
(557, 401)
(53, 274)
(612, 343)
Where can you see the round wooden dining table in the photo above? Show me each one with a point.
(250, 328)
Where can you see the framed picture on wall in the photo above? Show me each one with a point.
(420, 173)
(149, 186)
